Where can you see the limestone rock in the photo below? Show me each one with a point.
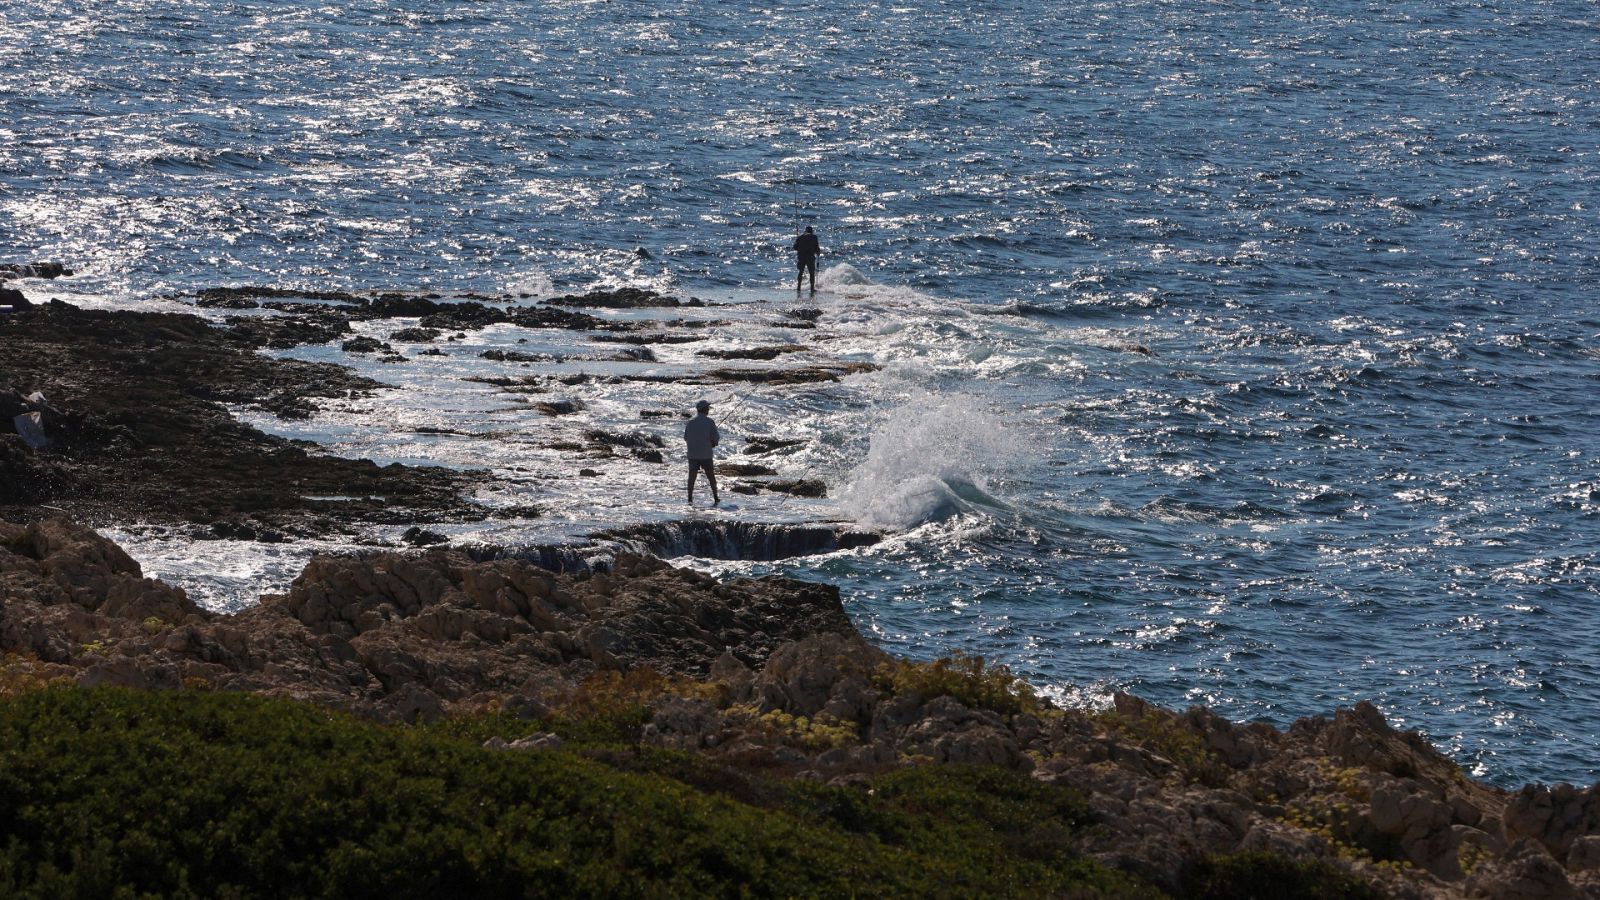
(1527, 872)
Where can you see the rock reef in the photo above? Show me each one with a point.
(133, 408)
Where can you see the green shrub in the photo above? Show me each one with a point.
(1160, 733)
(117, 793)
(966, 678)
(1268, 876)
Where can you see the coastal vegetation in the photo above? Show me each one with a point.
(123, 793)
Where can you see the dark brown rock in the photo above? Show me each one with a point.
(44, 270)
(364, 345)
(145, 436)
(623, 298)
(753, 352)
(12, 300)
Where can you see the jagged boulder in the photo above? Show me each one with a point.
(1526, 872)
(55, 562)
(1556, 816)
(826, 673)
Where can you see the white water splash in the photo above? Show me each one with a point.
(842, 275)
(931, 459)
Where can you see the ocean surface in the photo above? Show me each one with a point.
(1233, 353)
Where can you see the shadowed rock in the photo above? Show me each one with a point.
(45, 270)
(415, 335)
(797, 487)
(381, 633)
(744, 470)
(365, 345)
(560, 407)
(760, 446)
(150, 440)
(753, 352)
(623, 298)
(802, 375)
(652, 337)
(12, 300)
(735, 540)
(818, 374)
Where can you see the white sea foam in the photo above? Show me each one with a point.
(536, 284)
(930, 459)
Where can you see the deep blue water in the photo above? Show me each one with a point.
(1361, 458)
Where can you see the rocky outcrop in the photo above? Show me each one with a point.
(772, 352)
(318, 317)
(801, 375)
(45, 270)
(393, 634)
(129, 407)
(768, 673)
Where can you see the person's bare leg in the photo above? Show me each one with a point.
(711, 479)
(691, 486)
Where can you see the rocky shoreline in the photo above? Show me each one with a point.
(132, 427)
(131, 419)
(124, 421)
(768, 674)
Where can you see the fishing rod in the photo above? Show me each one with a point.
(733, 419)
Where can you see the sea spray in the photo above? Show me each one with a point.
(930, 459)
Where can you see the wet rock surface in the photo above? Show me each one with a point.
(735, 540)
(315, 317)
(768, 673)
(138, 430)
(44, 270)
(623, 298)
(771, 352)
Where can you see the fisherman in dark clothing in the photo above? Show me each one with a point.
(806, 251)
(702, 437)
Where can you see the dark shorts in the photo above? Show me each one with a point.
(807, 262)
(707, 464)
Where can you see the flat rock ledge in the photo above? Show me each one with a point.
(769, 673)
(123, 417)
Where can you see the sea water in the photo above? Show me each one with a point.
(1232, 353)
